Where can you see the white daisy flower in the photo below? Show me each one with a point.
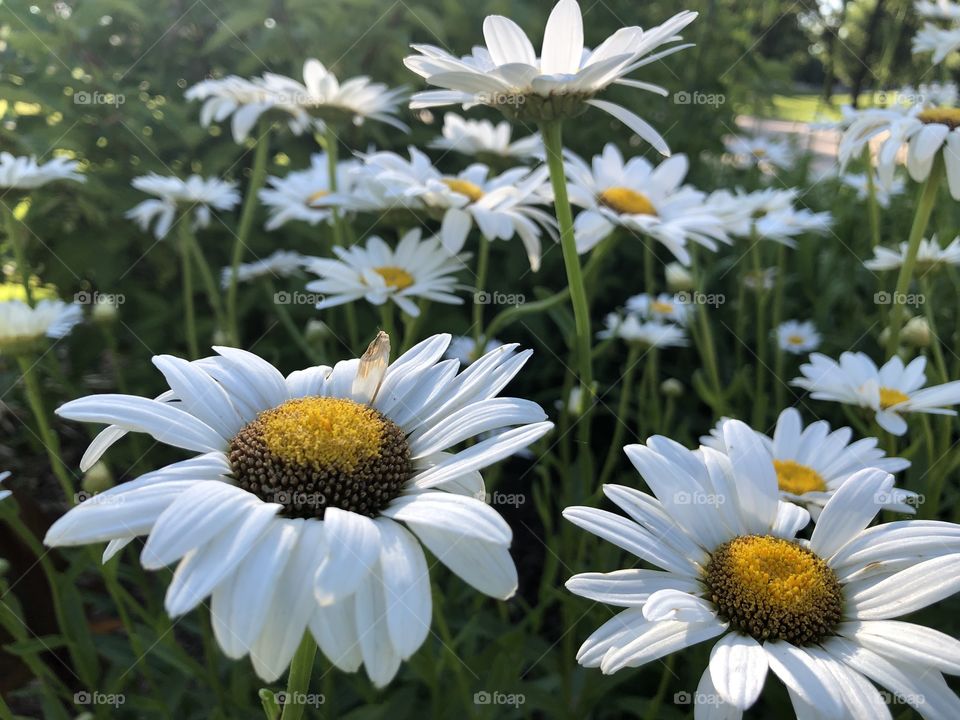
(925, 131)
(816, 613)
(764, 279)
(502, 206)
(797, 338)
(312, 493)
(771, 213)
(662, 307)
(299, 195)
(937, 9)
(930, 256)
(482, 137)
(650, 333)
(889, 391)
(508, 75)
(4, 494)
(937, 40)
(378, 274)
(25, 173)
(812, 462)
(861, 184)
(464, 349)
(195, 194)
(280, 264)
(22, 327)
(759, 151)
(243, 101)
(323, 97)
(642, 198)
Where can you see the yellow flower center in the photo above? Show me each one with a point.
(940, 116)
(891, 396)
(464, 187)
(626, 201)
(317, 452)
(775, 589)
(759, 153)
(317, 196)
(395, 277)
(792, 477)
(663, 308)
(16, 291)
(796, 339)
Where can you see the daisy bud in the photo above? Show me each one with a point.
(97, 479)
(678, 277)
(671, 388)
(104, 309)
(916, 332)
(220, 337)
(316, 331)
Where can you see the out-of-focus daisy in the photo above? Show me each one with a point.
(930, 256)
(650, 333)
(378, 273)
(816, 613)
(937, 40)
(296, 195)
(196, 194)
(280, 264)
(22, 327)
(25, 173)
(662, 307)
(482, 137)
(464, 349)
(642, 198)
(309, 498)
(243, 101)
(812, 462)
(860, 182)
(762, 279)
(927, 132)
(508, 75)
(796, 337)
(889, 391)
(934, 94)
(937, 9)
(4, 494)
(772, 214)
(323, 97)
(501, 206)
(759, 151)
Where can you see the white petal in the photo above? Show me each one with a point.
(562, 40)
(353, 548)
(379, 656)
(335, 629)
(738, 669)
(406, 582)
(906, 642)
(804, 675)
(908, 590)
(851, 508)
(633, 121)
(628, 588)
(457, 515)
(486, 566)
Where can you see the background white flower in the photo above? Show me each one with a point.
(930, 256)
(21, 325)
(195, 195)
(797, 337)
(25, 173)
(482, 137)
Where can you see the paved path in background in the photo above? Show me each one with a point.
(822, 143)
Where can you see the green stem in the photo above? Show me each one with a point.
(928, 197)
(258, 174)
(209, 282)
(298, 681)
(649, 258)
(386, 319)
(778, 293)
(873, 207)
(330, 143)
(483, 265)
(705, 342)
(283, 315)
(653, 707)
(19, 252)
(553, 143)
(190, 317)
(760, 399)
(623, 414)
(51, 443)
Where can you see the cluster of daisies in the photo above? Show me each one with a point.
(308, 499)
